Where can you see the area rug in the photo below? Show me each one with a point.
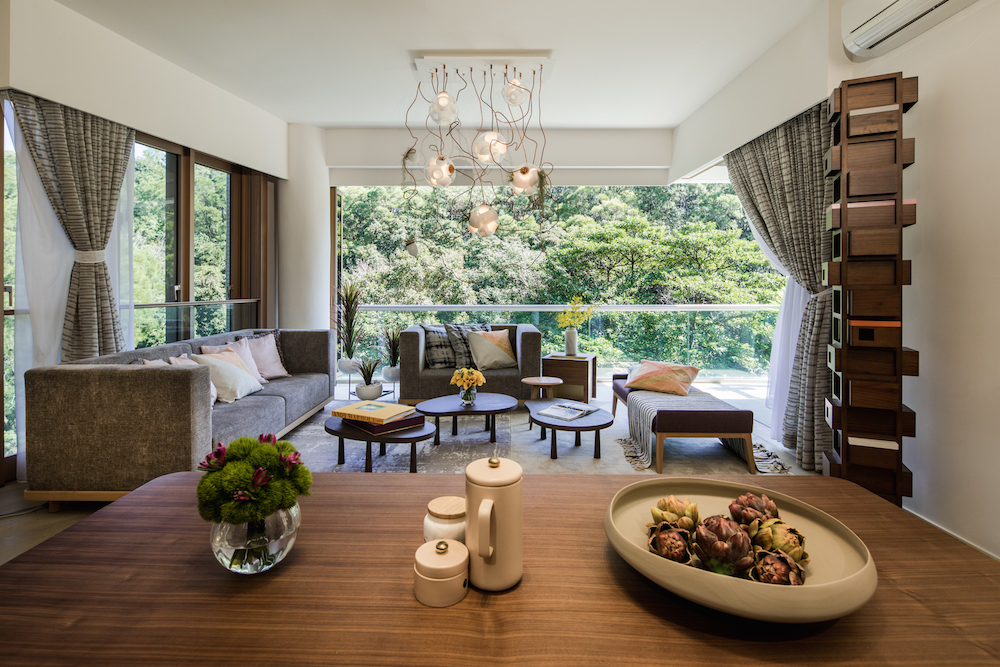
(766, 460)
(319, 449)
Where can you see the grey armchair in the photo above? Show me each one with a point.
(418, 383)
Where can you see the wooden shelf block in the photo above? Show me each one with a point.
(878, 395)
(875, 181)
(875, 303)
(831, 412)
(872, 423)
(881, 481)
(872, 91)
(872, 457)
(868, 154)
(833, 111)
(831, 273)
(831, 161)
(908, 422)
(880, 122)
(874, 335)
(908, 152)
(910, 362)
(909, 216)
(831, 464)
(874, 242)
(910, 93)
(860, 361)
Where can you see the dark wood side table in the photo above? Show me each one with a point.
(486, 404)
(580, 371)
(336, 426)
(595, 421)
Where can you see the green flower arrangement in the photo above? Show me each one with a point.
(250, 480)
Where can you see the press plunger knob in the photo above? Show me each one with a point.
(441, 547)
(494, 462)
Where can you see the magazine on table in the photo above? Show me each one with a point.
(567, 410)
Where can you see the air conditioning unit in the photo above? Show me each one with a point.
(872, 28)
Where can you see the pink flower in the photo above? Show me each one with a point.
(291, 460)
(260, 477)
(215, 460)
(269, 438)
(241, 495)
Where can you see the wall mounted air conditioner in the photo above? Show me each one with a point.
(871, 28)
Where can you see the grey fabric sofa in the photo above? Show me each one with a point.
(98, 428)
(418, 383)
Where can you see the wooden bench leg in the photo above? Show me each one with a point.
(54, 506)
(340, 451)
(368, 456)
(614, 403)
(554, 454)
(413, 457)
(751, 462)
(597, 444)
(660, 437)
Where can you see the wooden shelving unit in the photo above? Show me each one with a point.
(867, 273)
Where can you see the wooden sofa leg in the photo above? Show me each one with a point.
(660, 437)
(751, 463)
(614, 403)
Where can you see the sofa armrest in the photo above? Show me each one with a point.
(411, 360)
(310, 351)
(113, 427)
(529, 350)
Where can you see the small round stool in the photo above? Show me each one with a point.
(541, 387)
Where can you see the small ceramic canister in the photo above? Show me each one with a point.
(445, 519)
(441, 573)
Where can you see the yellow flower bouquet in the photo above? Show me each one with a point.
(575, 314)
(468, 379)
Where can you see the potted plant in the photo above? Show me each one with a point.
(370, 390)
(250, 494)
(574, 315)
(390, 372)
(348, 326)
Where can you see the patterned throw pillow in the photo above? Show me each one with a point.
(438, 352)
(662, 376)
(458, 334)
(277, 341)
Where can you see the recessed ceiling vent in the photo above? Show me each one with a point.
(872, 28)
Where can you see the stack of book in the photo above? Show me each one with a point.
(377, 418)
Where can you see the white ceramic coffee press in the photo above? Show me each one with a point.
(493, 528)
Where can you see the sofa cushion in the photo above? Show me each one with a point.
(242, 348)
(276, 334)
(267, 355)
(458, 336)
(491, 350)
(438, 352)
(301, 392)
(185, 360)
(250, 416)
(663, 377)
(231, 381)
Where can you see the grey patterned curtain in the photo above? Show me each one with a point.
(780, 181)
(81, 160)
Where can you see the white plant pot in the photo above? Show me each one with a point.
(571, 342)
(390, 373)
(368, 392)
(348, 366)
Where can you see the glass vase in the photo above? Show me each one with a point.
(256, 546)
(468, 396)
(571, 342)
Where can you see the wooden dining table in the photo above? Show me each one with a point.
(136, 583)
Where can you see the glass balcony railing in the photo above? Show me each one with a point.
(727, 342)
(159, 323)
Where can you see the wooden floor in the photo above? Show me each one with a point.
(24, 523)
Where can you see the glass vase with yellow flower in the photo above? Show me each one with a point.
(467, 379)
(573, 316)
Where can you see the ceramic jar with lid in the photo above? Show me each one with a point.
(441, 573)
(445, 519)
(493, 530)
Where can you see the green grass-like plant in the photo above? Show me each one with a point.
(367, 369)
(390, 338)
(251, 479)
(348, 326)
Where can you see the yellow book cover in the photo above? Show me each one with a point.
(373, 411)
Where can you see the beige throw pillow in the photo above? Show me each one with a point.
(265, 354)
(242, 348)
(232, 381)
(487, 353)
(185, 360)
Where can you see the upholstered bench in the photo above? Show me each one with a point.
(697, 415)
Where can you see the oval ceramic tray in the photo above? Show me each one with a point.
(840, 577)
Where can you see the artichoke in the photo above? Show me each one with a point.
(777, 567)
(748, 507)
(775, 534)
(670, 542)
(723, 546)
(683, 514)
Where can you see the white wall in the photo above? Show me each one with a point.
(788, 79)
(304, 233)
(950, 311)
(60, 55)
(580, 157)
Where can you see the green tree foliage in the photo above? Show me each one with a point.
(686, 244)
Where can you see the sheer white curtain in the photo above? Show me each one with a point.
(43, 262)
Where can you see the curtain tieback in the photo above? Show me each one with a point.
(89, 256)
(828, 290)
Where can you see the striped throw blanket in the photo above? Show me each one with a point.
(642, 409)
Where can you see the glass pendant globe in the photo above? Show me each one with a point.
(514, 93)
(440, 171)
(526, 177)
(443, 110)
(489, 147)
(482, 216)
(489, 227)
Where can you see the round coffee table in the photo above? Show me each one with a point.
(595, 421)
(486, 404)
(336, 426)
